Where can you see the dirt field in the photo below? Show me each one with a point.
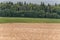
(30, 31)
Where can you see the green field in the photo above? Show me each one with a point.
(27, 20)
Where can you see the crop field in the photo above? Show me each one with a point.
(29, 28)
(27, 20)
(30, 31)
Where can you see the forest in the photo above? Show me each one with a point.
(30, 10)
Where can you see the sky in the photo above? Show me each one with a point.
(35, 1)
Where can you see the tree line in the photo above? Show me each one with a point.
(23, 9)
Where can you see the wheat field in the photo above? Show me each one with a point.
(30, 31)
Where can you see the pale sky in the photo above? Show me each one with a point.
(35, 1)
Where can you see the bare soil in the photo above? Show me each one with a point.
(30, 31)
